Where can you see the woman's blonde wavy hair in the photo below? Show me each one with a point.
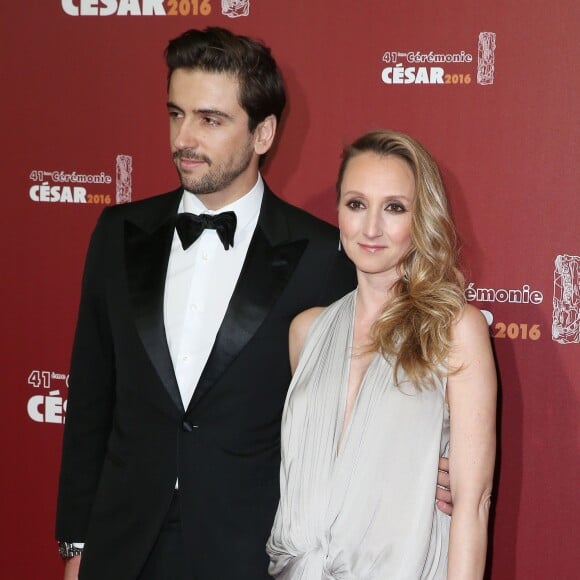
(415, 327)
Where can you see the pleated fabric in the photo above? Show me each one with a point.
(366, 510)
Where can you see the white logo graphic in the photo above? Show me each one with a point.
(515, 296)
(125, 8)
(49, 406)
(82, 188)
(112, 7)
(566, 312)
(414, 67)
(485, 58)
(235, 8)
(124, 174)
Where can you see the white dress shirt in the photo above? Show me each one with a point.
(199, 285)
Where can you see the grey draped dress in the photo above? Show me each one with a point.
(365, 510)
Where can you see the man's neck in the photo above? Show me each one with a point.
(219, 200)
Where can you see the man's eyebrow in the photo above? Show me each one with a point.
(215, 112)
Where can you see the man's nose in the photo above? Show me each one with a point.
(185, 136)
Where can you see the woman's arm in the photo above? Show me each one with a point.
(472, 403)
(298, 330)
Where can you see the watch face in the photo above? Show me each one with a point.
(68, 550)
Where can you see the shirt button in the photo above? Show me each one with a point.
(185, 358)
(194, 308)
(204, 257)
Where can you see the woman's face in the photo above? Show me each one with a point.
(374, 212)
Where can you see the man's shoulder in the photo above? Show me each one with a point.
(300, 220)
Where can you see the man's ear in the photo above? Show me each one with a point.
(264, 135)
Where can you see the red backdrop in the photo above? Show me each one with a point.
(490, 88)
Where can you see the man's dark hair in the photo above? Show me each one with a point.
(217, 50)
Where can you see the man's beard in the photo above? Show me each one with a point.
(216, 179)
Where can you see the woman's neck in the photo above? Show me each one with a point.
(373, 294)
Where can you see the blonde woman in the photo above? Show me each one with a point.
(385, 380)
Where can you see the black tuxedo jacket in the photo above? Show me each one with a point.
(127, 436)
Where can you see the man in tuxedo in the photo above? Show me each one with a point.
(180, 365)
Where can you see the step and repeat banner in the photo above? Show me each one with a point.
(490, 88)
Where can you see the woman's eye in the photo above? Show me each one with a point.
(395, 207)
(354, 204)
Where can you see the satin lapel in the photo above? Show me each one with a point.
(147, 256)
(268, 266)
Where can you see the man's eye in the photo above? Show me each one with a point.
(210, 121)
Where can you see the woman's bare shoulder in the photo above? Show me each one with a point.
(470, 323)
(299, 328)
(302, 322)
(471, 352)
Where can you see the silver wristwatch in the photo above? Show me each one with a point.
(68, 550)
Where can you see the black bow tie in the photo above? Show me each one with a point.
(189, 227)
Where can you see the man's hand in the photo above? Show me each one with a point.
(71, 568)
(443, 492)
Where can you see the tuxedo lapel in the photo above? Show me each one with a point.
(148, 240)
(269, 264)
